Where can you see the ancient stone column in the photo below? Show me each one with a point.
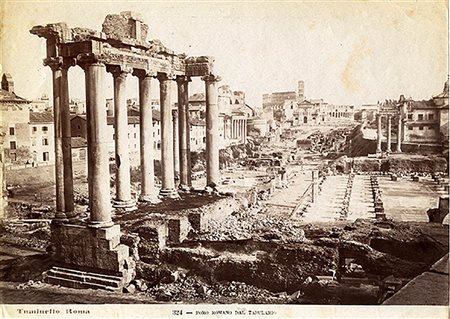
(245, 131)
(66, 143)
(388, 142)
(399, 134)
(183, 130)
(176, 150)
(123, 179)
(148, 192)
(378, 133)
(212, 131)
(167, 163)
(98, 158)
(56, 66)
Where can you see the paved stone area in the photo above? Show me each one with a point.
(361, 202)
(329, 202)
(405, 200)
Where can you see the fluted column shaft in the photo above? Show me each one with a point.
(212, 132)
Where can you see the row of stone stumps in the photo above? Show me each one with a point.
(377, 201)
(347, 195)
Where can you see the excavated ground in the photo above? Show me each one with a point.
(261, 259)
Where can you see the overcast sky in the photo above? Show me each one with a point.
(346, 52)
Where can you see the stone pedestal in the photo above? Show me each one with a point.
(87, 257)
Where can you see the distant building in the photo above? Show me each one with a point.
(233, 114)
(197, 135)
(42, 137)
(14, 122)
(79, 129)
(293, 108)
(426, 122)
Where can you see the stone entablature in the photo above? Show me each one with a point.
(122, 45)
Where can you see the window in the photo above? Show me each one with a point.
(420, 118)
(158, 146)
(134, 135)
(44, 129)
(410, 128)
(79, 127)
(13, 156)
(45, 141)
(421, 128)
(11, 131)
(204, 140)
(45, 157)
(431, 117)
(410, 116)
(34, 129)
(114, 136)
(12, 145)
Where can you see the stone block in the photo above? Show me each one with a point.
(197, 221)
(107, 233)
(178, 229)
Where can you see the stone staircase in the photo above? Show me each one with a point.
(83, 279)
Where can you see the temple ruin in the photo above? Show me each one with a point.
(89, 254)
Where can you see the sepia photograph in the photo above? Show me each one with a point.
(224, 159)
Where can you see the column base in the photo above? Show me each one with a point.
(151, 199)
(184, 188)
(127, 205)
(60, 216)
(168, 193)
(96, 224)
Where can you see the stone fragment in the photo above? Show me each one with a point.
(131, 289)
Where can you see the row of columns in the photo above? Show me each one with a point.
(239, 129)
(175, 150)
(389, 134)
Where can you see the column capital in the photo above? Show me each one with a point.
(211, 78)
(141, 73)
(181, 79)
(86, 59)
(119, 70)
(164, 76)
(59, 63)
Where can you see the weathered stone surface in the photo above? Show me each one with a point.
(426, 289)
(132, 241)
(178, 229)
(441, 266)
(125, 25)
